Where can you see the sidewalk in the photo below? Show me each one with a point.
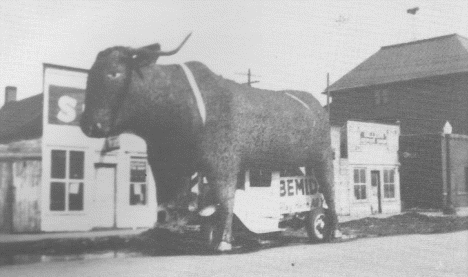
(18, 238)
(463, 211)
(12, 239)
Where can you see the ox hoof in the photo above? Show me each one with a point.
(337, 234)
(224, 246)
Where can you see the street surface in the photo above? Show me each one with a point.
(410, 255)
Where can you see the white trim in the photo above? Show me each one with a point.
(298, 100)
(196, 92)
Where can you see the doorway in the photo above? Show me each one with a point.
(105, 196)
(376, 204)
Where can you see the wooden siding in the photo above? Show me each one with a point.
(421, 171)
(421, 106)
(27, 192)
(6, 197)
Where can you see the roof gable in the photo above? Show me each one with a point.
(22, 119)
(408, 61)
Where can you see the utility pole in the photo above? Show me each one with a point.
(249, 77)
(448, 207)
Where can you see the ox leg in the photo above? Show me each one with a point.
(172, 196)
(323, 170)
(224, 188)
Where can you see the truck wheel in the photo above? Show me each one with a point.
(317, 225)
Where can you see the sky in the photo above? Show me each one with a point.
(286, 44)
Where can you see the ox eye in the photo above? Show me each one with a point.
(114, 75)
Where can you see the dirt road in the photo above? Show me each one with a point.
(409, 255)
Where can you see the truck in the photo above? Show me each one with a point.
(269, 201)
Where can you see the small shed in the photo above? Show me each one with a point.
(366, 168)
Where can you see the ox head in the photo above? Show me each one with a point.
(106, 111)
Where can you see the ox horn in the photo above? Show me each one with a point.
(172, 52)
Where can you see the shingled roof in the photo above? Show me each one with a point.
(408, 61)
(20, 120)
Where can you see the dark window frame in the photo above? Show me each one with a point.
(260, 178)
(62, 166)
(360, 184)
(382, 97)
(138, 178)
(389, 183)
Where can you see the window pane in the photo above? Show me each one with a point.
(356, 176)
(132, 195)
(363, 192)
(392, 191)
(57, 196)
(76, 164)
(75, 196)
(143, 194)
(356, 192)
(392, 175)
(385, 176)
(138, 194)
(260, 178)
(58, 164)
(137, 171)
(363, 175)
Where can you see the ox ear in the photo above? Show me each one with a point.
(145, 55)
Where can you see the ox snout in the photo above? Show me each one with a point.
(94, 129)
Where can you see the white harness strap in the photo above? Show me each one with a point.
(298, 100)
(196, 92)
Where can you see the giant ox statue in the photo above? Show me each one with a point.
(206, 124)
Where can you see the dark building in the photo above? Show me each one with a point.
(422, 85)
(426, 161)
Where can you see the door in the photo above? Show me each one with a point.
(256, 205)
(376, 201)
(104, 201)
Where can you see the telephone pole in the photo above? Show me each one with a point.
(249, 77)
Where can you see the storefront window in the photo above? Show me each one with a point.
(67, 174)
(389, 183)
(360, 184)
(138, 189)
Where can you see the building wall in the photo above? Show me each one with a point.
(103, 183)
(6, 197)
(370, 149)
(421, 171)
(340, 173)
(458, 145)
(27, 197)
(421, 106)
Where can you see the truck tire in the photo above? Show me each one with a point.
(317, 225)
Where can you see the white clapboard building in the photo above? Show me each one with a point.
(54, 178)
(366, 168)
